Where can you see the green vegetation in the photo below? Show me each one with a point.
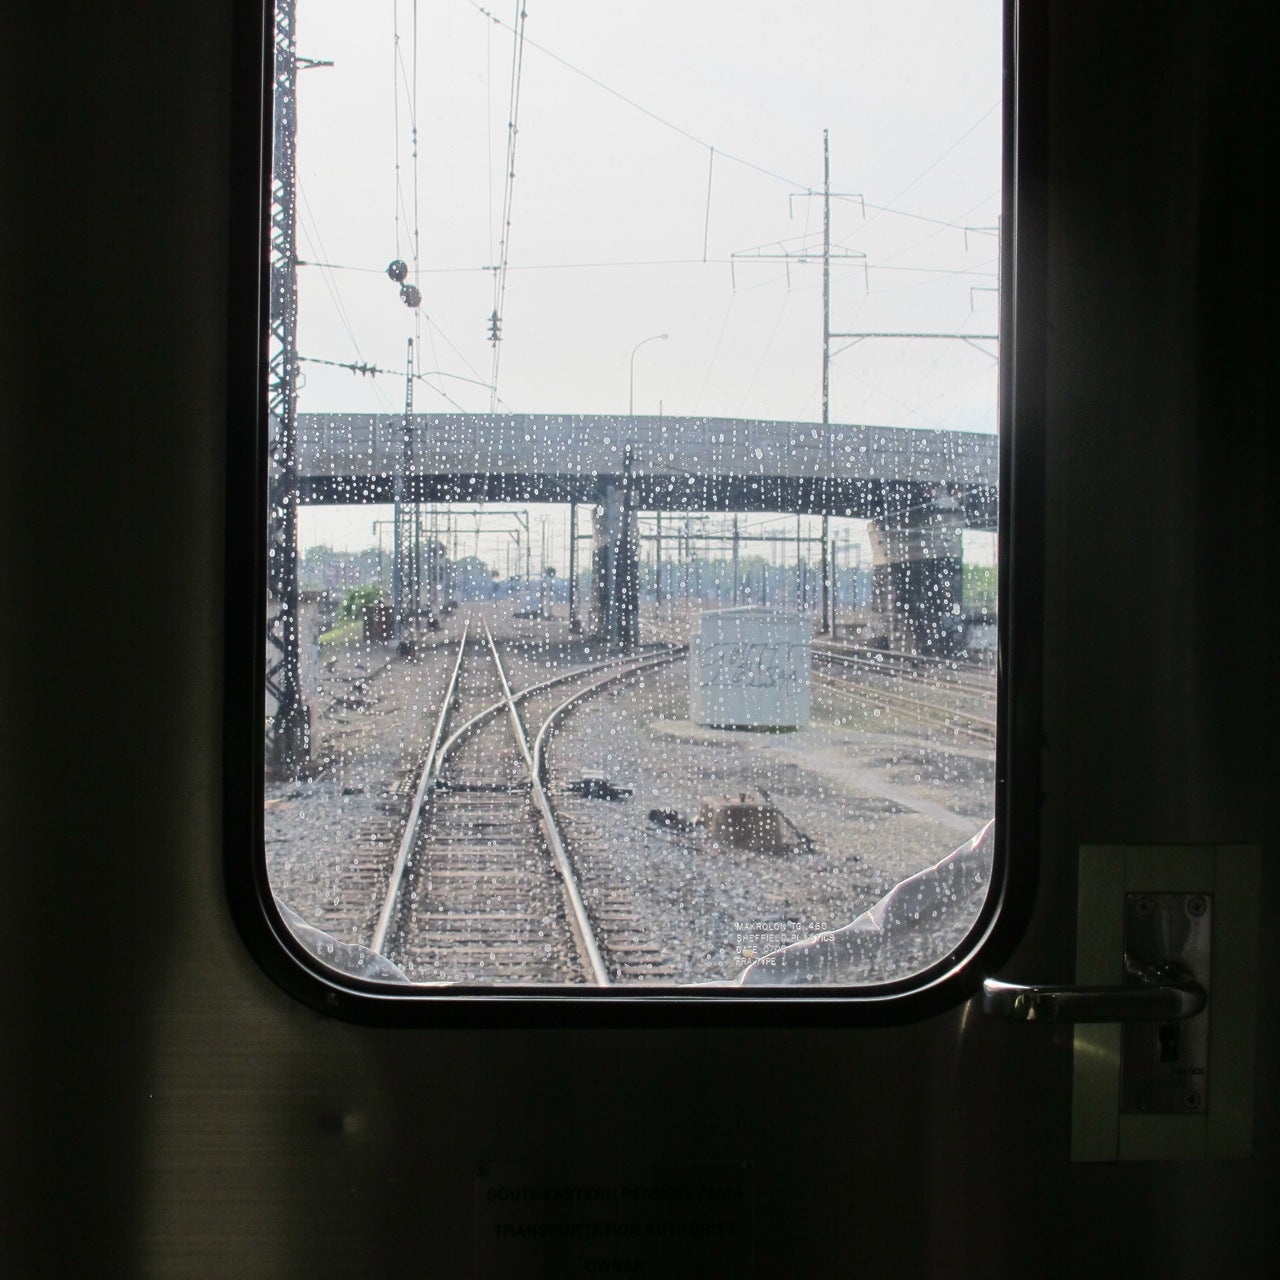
(354, 602)
(350, 621)
(343, 633)
(321, 566)
(980, 586)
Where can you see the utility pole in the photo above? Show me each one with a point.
(799, 571)
(415, 563)
(835, 585)
(735, 560)
(825, 489)
(626, 569)
(693, 572)
(574, 625)
(657, 577)
(826, 384)
(398, 513)
(288, 744)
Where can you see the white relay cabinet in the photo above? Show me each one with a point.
(749, 669)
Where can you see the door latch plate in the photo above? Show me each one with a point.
(1165, 1065)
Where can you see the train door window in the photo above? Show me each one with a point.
(631, 457)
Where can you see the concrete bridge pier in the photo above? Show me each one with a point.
(917, 558)
(615, 563)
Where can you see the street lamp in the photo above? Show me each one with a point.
(631, 395)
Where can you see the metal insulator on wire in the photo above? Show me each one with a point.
(411, 295)
(398, 270)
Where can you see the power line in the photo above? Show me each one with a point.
(397, 197)
(889, 207)
(504, 244)
(364, 369)
(503, 266)
(715, 353)
(331, 285)
(641, 262)
(915, 244)
(727, 155)
(413, 142)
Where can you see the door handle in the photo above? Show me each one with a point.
(1161, 992)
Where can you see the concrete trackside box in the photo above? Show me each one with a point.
(749, 669)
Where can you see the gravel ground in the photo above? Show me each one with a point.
(867, 804)
(330, 837)
(869, 809)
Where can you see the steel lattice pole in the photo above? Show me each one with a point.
(289, 733)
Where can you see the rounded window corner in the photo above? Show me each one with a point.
(799, 564)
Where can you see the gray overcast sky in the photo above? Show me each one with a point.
(909, 91)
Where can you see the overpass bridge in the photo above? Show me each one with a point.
(676, 464)
(918, 489)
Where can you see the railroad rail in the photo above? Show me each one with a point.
(483, 887)
(960, 692)
(908, 666)
(634, 955)
(978, 728)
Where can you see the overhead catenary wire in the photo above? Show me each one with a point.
(768, 346)
(509, 175)
(417, 186)
(706, 224)
(367, 370)
(311, 230)
(397, 195)
(309, 226)
(405, 78)
(488, 127)
(915, 244)
(631, 102)
(486, 268)
(728, 155)
(711, 364)
(954, 389)
(413, 142)
(407, 209)
(888, 208)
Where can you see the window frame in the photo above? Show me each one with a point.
(1020, 540)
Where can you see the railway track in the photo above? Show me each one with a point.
(961, 673)
(953, 695)
(631, 952)
(941, 696)
(484, 888)
(978, 728)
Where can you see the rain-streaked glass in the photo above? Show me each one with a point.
(639, 363)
